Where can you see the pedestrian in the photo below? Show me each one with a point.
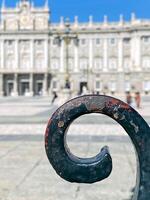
(138, 99)
(128, 98)
(54, 96)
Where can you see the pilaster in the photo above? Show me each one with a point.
(2, 54)
(15, 92)
(46, 54)
(32, 54)
(105, 54)
(62, 69)
(120, 55)
(45, 86)
(76, 59)
(1, 85)
(90, 53)
(31, 85)
(17, 54)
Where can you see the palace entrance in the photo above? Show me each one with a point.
(24, 88)
(9, 88)
(39, 88)
(83, 86)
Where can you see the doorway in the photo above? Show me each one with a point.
(9, 89)
(24, 88)
(82, 86)
(39, 88)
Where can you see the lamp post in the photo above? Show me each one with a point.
(67, 36)
(67, 39)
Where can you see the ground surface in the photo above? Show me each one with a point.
(25, 170)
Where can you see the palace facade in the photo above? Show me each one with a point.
(38, 56)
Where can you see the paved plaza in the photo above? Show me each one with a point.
(25, 170)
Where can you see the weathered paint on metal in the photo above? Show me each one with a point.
(90, 170)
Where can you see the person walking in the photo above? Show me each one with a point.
(55, 96)
(138, 99)
(128, 98)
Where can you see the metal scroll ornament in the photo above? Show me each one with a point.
(90, 170)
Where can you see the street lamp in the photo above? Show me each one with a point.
(67, 36)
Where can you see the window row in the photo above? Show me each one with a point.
(24, 62)
(98, 64)
(82, 41)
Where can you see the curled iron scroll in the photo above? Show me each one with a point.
(90, 170)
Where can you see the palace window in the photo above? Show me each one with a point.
(127, 86)
(112, 86)
(112, 41)
(55, 85)
(39, 42)
(40, 61)
(25, 61)
(10, 61)
(24, 46)
(113, 64)
(98, 85)
(127, 63)
(70, 64)
(126, 41)
(55, 64)
(83, 64)
(83, 41)
(9, 42)
(98, 64)
(97, 41)
(146, 86)
(146, 63)
(146, 39)
(56, 41)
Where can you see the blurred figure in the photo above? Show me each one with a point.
(128, 98)
(138, 99)
(54, 96)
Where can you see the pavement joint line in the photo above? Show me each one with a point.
(77, 191)
(128, 159)
(73, 138)
(10, 151)
(29, 173)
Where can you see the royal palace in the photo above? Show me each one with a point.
(38, 56)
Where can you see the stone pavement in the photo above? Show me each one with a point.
(25, 170)
(27, 175)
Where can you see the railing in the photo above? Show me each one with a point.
(90, 170)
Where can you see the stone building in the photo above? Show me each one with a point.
(38, 56)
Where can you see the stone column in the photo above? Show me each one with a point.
(31, 85)
(90, 53)
(134, 53)
(1, 85)
(15, 92)
(138, 53)
(2, 54)
(90, 65)
(32, 54)
(76, 59)
(45, 84)
(46, 54)
(17, 54)
(62, 66)
(105, 55)
(120, 79)
(120, 55)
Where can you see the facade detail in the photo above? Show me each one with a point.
(38, 56)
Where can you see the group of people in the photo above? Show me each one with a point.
(130, 98)
(134, 99)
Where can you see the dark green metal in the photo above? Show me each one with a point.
(74, 169)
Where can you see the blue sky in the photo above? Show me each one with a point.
(97, 8)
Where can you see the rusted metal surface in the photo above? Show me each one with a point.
(90, 170)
